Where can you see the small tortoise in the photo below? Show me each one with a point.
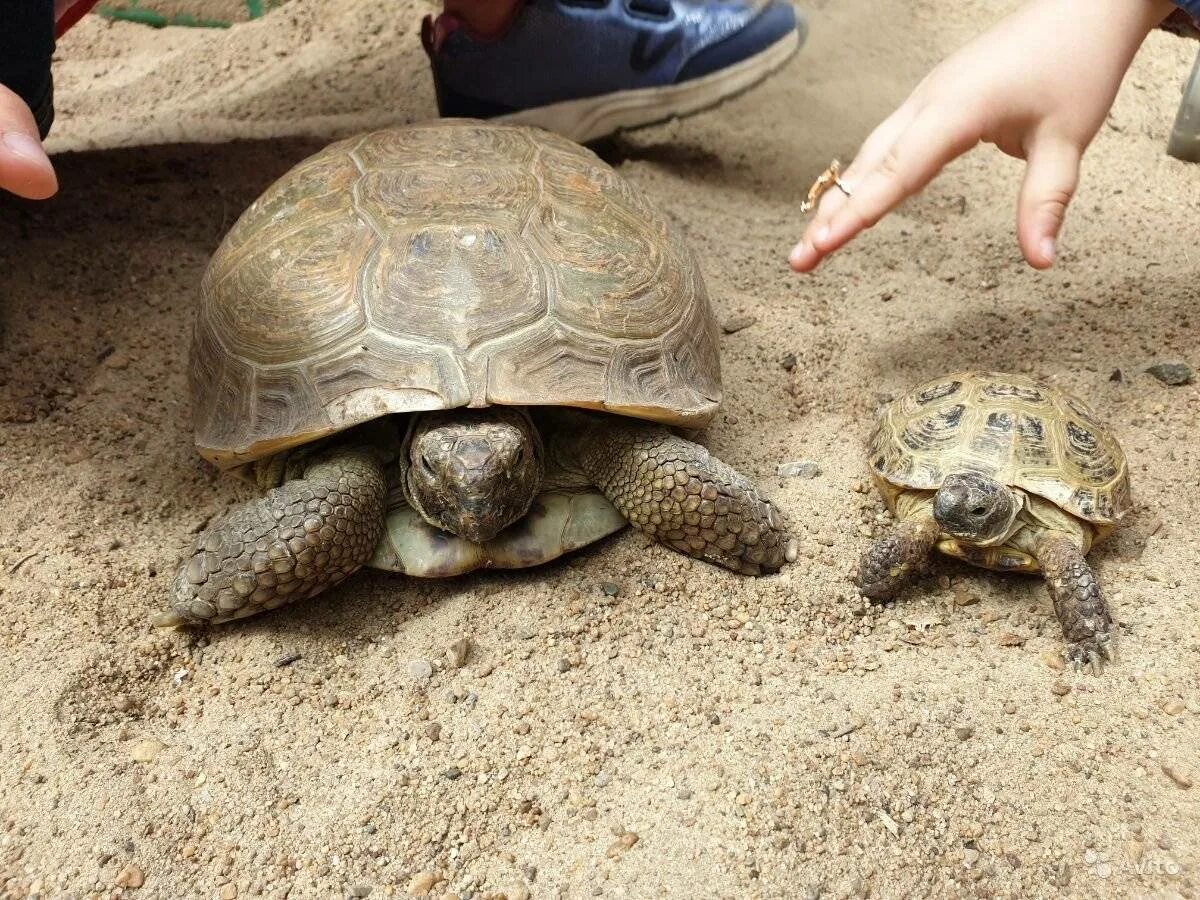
(448, 347)
(1006, 473)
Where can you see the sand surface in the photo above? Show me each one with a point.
(697, 734)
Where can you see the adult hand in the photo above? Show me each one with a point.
(25, 169)
(1038, 86)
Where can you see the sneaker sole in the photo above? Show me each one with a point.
(595, 117)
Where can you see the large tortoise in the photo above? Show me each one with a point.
(1006, 473)
(454, 346)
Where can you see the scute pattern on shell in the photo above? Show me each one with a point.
(1014, 429)
(443, 265)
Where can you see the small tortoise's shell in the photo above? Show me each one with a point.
(451, 264)
(1018, 431)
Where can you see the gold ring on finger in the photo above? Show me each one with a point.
(824, 182)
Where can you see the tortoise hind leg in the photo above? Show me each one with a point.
(299, 539)
(675, 491)
(894, 559)
(1080, 606)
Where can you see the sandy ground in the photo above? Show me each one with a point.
(693, 734)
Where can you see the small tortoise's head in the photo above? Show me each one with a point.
(975, 508)
(473, 472)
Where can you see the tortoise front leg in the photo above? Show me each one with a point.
(1081, 609)
(675, 491)
(895, 558)
(299, 539)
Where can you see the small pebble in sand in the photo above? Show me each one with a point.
(962, 597)
(801, 468)
(1176, 776)
(738, 323)
(145, 751)
(458, 652)
(1173, 707)
(788, 361)
(130, 877)
(118, 361)
(888, 822)
(621, 844)
(964, 732)
(361, 890)
(610, 588)
(422, 883)
(420, 669)
(1010, 639)
(229, 891)
(1060, 688)
(1053, 661)
(1172, 374)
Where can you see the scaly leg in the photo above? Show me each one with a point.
(299, 539)
(894, 559)
(1078, 603)
(675, 491)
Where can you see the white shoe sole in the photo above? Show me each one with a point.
(594, 117)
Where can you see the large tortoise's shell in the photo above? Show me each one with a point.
(451, 264)
(1011, 428)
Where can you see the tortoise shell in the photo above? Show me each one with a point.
(449, 264)
(1018, 431)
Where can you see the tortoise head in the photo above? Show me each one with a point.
(975, 508)
(473, 472)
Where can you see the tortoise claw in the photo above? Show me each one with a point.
(168, 619)
(1092, 653)
(1108, 647)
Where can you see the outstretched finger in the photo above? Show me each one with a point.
(804, 256)
(921, 151)
(1051, 175)
(25, 169)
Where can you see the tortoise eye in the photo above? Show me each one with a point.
(425, 464)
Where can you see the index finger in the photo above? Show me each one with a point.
(804, 257)
(921, 151)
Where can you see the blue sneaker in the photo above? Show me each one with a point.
(588, 68)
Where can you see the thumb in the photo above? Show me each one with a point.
(25, 169)
(1051, 174)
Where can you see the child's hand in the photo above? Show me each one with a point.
(25, 169)
(1038, 86)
